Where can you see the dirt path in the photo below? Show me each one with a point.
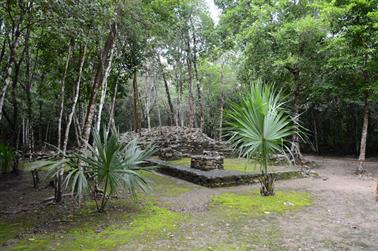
(344, 215)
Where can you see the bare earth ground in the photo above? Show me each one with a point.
(343, 216)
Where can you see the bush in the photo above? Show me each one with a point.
(6, 158)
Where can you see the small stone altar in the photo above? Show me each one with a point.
(209, 160)
(169, 154)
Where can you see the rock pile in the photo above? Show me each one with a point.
(173, 142)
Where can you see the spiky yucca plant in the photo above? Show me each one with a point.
(260, 126)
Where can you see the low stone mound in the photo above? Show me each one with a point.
(219, 178)
(174, 142)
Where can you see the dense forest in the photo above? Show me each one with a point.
(188, 124)
(69, 67)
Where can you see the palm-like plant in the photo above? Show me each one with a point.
(109, 166)
(106, 167)
(259, 127)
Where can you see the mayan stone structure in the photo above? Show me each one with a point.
(173, 142)
(209, 160)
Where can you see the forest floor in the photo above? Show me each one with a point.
(335, 211)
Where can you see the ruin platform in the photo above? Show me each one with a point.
(217, 178)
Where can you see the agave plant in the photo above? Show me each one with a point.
(106, 167)
(260, 126)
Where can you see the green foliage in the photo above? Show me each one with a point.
(107, 167)
(110, 165)
(260, 126)
(352, 46)
(6, 158)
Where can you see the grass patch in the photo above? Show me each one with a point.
(165, 186)
(11, 229)
(143, 226)
(235, 164)
(257, 205)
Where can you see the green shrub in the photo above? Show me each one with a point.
(6, 158)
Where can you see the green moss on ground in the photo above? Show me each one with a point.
(235, 164)
(165, 186)
(256, 205)
(12, 228)
(143, 226)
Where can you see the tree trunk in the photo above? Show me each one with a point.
(198, 84)
(13, 38)
(99, 77)
(295, 148)
(77, 131)
(316, 137)
(166, 87)
(111, 123)
(104, 87)
(62, 91)
(58, 187)
(221, 104)
(17, 67)
(178, 114)
(364, 133)
(8, 80)
(136, 114)
(190, 84)
(28, 87)
(172, 119)
(158, 106)
(74, 103)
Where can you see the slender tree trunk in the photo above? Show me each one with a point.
(364, 133)
(40, 103)
(178, 114)
(62, 91)
(111, 123)
(17, 66)
(104, 87)
(172, 119)
(190, 84)
(148, 105)
(198, 84)
(28, 87)
(295, 148)
(2, 52)
(102, 64)
(316, 140)
(77, 128)
(157, 105)
(13, 38)
(221, 103)
(74, 103)
(136, 114)
(8, 81)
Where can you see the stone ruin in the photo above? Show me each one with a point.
(172, 142)
(209, 160)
